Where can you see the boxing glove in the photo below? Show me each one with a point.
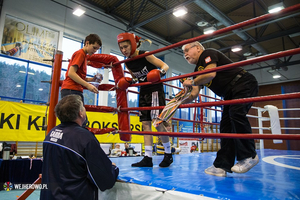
(124, 83)
(153, 76)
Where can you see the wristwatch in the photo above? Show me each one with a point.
(163, 72)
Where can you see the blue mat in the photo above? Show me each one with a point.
(278, 177)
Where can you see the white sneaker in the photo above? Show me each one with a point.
(212, 170)
(245, 165)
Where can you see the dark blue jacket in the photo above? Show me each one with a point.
(74, 164)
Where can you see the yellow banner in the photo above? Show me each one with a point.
(25, 122)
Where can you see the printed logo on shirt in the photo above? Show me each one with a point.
(200, 68)
(208, 84)
(55, 135)
(207, 59)
(142, 74)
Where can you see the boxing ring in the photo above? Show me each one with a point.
(276, 176)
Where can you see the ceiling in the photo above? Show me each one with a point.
(278, 34)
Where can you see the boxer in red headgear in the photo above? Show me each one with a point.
(147, 69)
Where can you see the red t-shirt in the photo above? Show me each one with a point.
(79, 58)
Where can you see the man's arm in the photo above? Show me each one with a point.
(202, 79)
(101, 170)
(194, 94)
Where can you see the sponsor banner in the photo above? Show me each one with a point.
(27, 40)
(26, 122)
(189, 146)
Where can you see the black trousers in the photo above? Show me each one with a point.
(234, 120)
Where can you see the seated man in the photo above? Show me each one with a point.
(74, 164)
(128, 149)
(116, 151)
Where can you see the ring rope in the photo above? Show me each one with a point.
(229, 66)
(217, 135)
(225, 102)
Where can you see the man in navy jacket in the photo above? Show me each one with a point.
(74, 165)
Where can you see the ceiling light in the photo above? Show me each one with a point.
(201, 23)
(40, 89)
(247, 54)
(18, 85)
(209, 30)
(236, 48)
(276, 76)
(78, 12)
(22, 72)
(276, 7)
(180, 11)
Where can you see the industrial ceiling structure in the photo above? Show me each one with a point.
(267, 37)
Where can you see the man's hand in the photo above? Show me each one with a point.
(92, 88)
(188, 83)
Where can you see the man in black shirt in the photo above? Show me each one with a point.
(230, 84)
(74, 165)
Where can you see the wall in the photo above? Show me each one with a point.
(57, 15)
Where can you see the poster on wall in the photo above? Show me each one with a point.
(188, 145)
(28, 41)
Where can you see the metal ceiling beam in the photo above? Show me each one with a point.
(115, 6)
(278, 23)
(159, 15)
(221, 17)
(267, 37)
(280, 65)
(138, 12)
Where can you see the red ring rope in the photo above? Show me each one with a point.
(226, 102)
(218, 135)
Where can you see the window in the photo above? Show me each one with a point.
(36, 89)
(21, 80)
(69, 46)
(12, 79)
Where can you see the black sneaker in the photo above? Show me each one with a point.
(146, 162)
(167, 161)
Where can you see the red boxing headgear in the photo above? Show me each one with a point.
(131, 37)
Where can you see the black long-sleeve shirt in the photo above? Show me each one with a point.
(74, 164)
